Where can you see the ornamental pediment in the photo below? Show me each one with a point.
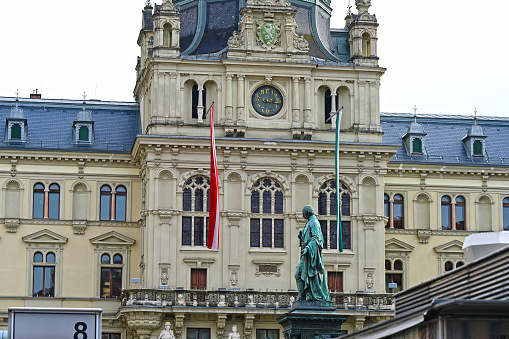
(454, 246)
(112, 238)
(45, 237)
(395, 245)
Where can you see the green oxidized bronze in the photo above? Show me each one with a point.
(310, 274)
(268, 33)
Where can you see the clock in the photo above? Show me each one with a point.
(267, 101)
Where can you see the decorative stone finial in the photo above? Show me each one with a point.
(362, 5)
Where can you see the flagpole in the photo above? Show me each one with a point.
(213, 238)
(339, 230)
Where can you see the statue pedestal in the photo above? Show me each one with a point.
(312, 320)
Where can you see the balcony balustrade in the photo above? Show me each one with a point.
(249, 299)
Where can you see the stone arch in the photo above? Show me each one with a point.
(302, 178)
(13, 184)
(368, 195)
(369, 180)
(349, 182)
(302, 194)
(165, 174)
(233, 191)
(234, 176)
(254, 178)
(189, 174)
(80, 186)
(422, 210)
(484, 212)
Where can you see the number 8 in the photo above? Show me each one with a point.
(80, 331)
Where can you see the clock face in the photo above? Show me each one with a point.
(267, 101)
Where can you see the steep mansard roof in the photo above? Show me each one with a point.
(207, 25)
(50, 124)
(443, 140)
(116, 125)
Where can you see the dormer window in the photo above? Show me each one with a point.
(16, 125)
(478, 148)
(417, 146)
(414, 139)
(475, 141)
(83, 128)
(15, 132)
(83, 134)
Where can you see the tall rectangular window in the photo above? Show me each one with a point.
(198, 333)
(267, 334)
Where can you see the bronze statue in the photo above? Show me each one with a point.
(310, 275)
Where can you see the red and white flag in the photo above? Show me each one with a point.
(213, 240)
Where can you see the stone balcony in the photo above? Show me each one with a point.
(249, 299)
(143, 310)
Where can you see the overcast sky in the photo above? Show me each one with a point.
(446, 57)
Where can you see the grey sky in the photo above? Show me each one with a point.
(446, 56)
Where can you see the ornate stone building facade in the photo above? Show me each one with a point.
(113, 212)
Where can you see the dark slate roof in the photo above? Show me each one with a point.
(443, 140)
(50, 122)
(205, 29)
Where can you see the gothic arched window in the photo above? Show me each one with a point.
(195, 221)
(327, 214)
(267, 223)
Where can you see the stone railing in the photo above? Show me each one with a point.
(248, 298)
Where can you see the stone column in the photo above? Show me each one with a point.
(333, 109)
(248, 325)
(229, 100)
(240, 100)
(179, 325)
(173, 94)
(220, 325)
(307, 103)
(295, 103)
(200, 105)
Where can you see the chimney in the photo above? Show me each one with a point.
(35, 95)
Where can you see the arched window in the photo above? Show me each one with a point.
(105, 213)
(446, 212)
(387, 205)
(366, 45)
(83, 134)
(111, 276)
(167, 35)
(393, 276)
(505, 211)
(460, 213)
(16, 132)
(43, 275)
(38, 211)
(196, 100)
(267, 223)
(459, 264)
(327, 214)
(449, 266)
(113, 204)
(328, 105)
(398, 211)
(478, 148)
(195, 221)
(394, 211)
(120, 203)
(46, 202)
(54, 201)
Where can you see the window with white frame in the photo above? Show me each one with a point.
(44, 263)
(327, 214)
(267, 220)
(111, 257)
(195, 206)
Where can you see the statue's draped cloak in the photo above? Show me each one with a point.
(310, 269)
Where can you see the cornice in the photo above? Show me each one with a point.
(70, 222)
(433, 232)
(65, 156)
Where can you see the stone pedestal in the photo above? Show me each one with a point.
(312, 320)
